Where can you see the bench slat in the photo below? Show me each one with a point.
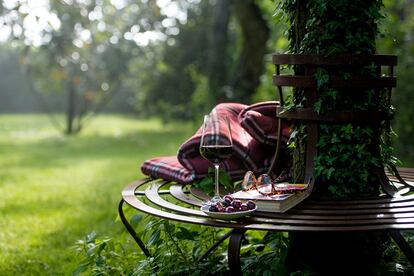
(314, 214)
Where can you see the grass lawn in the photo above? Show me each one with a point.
(55, 189)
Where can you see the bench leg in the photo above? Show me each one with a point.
(403, 245)
(233, 253)
(214, 246)
(131, 230)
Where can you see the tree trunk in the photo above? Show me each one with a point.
(326, 28)
(217, 71)
(255, 35)
(71, 108)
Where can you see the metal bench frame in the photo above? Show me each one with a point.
(314, 215)
(393, 211)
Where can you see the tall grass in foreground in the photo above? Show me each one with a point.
(56, 189)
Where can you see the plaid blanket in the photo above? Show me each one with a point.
(247, 152)
(253, 146)
(168, 168)
(260, 122)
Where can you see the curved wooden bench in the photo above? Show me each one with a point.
(392, 212)
(348, 215)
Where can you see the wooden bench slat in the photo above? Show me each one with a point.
(338, 222)
(356, 206)
(152, 194)
(350, 211)
(311, 215)
(339, 202)
(315, 60)
(176, 191)
(335, 217)
(335, 82)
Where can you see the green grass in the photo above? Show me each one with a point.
(56, 189)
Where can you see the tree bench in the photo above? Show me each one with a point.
(315, 215)
(392, 211)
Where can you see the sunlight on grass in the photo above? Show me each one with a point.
(56, 189)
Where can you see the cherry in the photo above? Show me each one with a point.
(236, 204)
(231, 205)
(251, 205)
(229, 197)
(226, 202)
(244, 207)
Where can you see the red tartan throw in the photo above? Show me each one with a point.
(248, 153)
(260, 121)
(253, 134)
(168, 168)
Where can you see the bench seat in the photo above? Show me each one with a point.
(159, 198)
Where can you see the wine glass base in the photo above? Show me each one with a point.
(216, 199)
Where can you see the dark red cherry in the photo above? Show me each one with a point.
(226, 202)
(244, 207)
(236, 203)
(251, 205)
(229, 197)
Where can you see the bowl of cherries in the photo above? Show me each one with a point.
(229, 208)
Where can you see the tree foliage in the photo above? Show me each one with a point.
(178, 58)
(397, 38)
(82, 48)
(214, 58)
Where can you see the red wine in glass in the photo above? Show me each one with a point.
(216, 153)
(216, 144)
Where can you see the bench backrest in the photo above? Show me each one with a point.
(305, 69)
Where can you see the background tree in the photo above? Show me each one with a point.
(81, 48)
(217, 51)
(397, 38)
(250, 64)
(212, 59)
(172, 58)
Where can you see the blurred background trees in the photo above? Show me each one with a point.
(398, 39)
(168, 58)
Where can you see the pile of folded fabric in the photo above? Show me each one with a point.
(254, 130)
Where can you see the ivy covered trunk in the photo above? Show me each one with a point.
(346, 157)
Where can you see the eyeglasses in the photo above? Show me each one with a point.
(265, 186)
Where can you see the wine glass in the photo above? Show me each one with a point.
(216, 145)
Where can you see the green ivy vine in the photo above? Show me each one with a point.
(333, 27)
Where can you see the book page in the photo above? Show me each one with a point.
(255, 195)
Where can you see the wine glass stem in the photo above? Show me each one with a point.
(217, 192)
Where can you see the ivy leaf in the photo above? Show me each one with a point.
(329, 172)
(206, 185)
(321, 77)
(318, 106)
(225, 179)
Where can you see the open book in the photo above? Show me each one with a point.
(290, 195)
